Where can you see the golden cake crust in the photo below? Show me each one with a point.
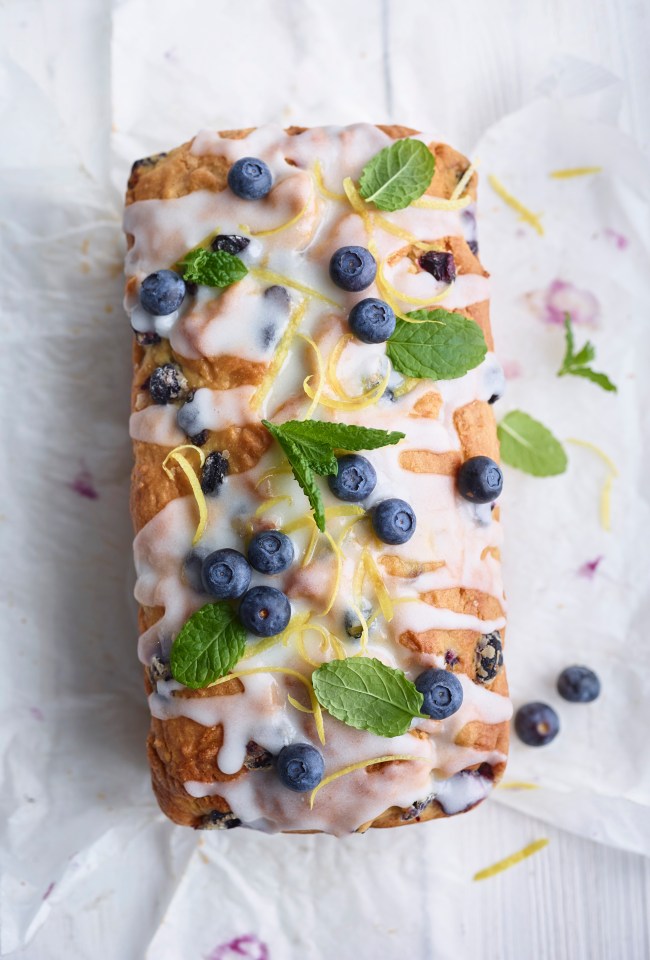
(180, 749)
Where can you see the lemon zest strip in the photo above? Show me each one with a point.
(271, 277)
(524, 213)
(407, 385)
(331, 513)
(283, 226)
(332, 362)
(517, 785)
(298, 706)
(427, 202)
(320, 183)
(359, 207)
(272, 502)
(279, 356)
(311, 546)
(405, 297)
(272, 473)
(512, 860)
(318, 716)
(359, 766)
(359, 402)
(393, 228)
(294, 624)
(606, 493)
(321, 375)
(195, 485)
(337, 578)
(385, 602)
(574, 172)
(464, 180)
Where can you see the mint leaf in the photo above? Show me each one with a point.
(303, 471)
(309, 447)
(575, 364)
(397, 175)
(443, 348)
(366, 694)
(528, 445)
(208, 646)
(210, 268)
(340, 436)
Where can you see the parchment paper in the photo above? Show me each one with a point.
(79, 824)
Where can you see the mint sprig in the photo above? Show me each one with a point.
(397, 175)
(443, 347)
(575, 364)
(530, 446)
(208, 646)
(212, 268)
(309, 447)
(364, 693)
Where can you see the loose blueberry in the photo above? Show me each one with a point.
(372, 320)
(265, 611)
(167, 383)
(213, 473)
(353, 268)
(231, 243)
(536, 724)
(489, 657)
(162, 292)
(250, 178)
(440, 264)
(578, 684)
(479, 480)
(225, 574)
(442, 692)
(393, 521)
(355, 480)
(300, 767)
(270, 551)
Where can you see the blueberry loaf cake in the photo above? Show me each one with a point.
(316, 480)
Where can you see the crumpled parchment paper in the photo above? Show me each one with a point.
(79, 826)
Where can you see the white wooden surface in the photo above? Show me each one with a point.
(579, 901)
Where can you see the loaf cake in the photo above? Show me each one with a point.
(316, 481)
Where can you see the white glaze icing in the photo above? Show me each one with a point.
(240, 321)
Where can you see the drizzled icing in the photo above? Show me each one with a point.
(457, 541)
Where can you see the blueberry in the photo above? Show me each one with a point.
(192, 567)
(489, 657)
(479, 480)
(231, 243)
(473, 245)
(442, 692)
(167, 383)
(578, 684)
(270, 551)
(393, 520)
(278, 296)
(250, 178)
(352, 268)
(440, 264)
(187, 417)
(162, 293)
(147, 338)
(225, 574)
(300, 767)
(355, 480)
(372, 320)
(265, 611)
(536, 724)
(351, 620)
(198, 439)
(213, 472)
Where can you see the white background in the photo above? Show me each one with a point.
(85, 86)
